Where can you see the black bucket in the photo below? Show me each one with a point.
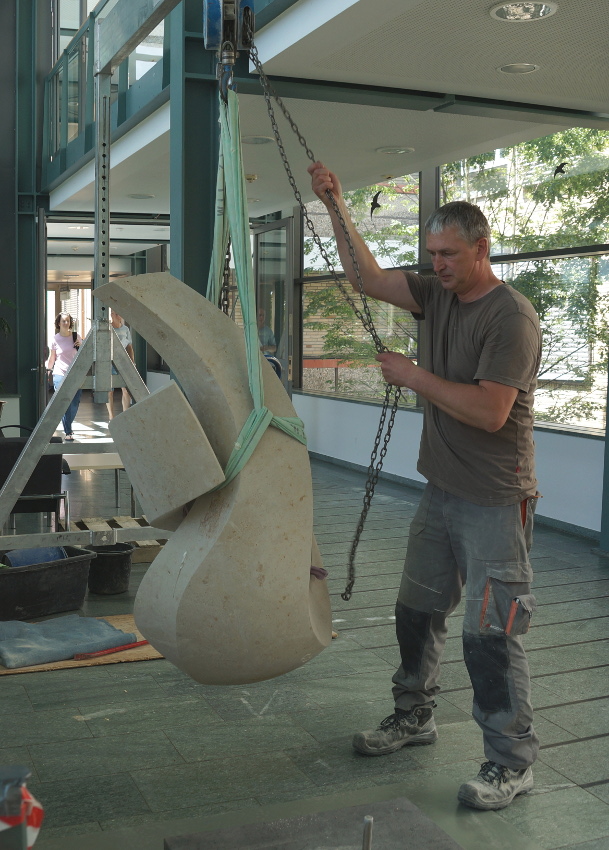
(113, 568)
(41, 589)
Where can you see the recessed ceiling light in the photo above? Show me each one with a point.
(395, 150)
(142, 197)
(257, 140)
(78, 226)
(254, 200)
(519, 68)
(522, 12)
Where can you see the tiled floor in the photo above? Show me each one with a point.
(123, 755)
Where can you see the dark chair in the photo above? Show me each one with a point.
(43, 492)
(275, 363)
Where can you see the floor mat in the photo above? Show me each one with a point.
(126, 623)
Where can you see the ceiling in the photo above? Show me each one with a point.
(446, 48)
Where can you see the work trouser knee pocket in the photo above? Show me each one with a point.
(506, 608)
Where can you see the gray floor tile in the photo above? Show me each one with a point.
(343, 690)
(571, 686)
(100, 756)
(69, 801)
(228, 739)
(333, 764)
(559, 659)
(34, 727)
(89, 694)
(581, 719)
(18, 756)
(149, 817)
(580, 761)
(150, 714)
(220, 780)
(600, 791)
(255, 701)
(563, 818)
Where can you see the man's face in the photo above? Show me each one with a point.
(117, 320)
(455, 261)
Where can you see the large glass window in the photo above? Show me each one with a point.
(338, 352)
(545, 194)
(546, 197)
(571, 297)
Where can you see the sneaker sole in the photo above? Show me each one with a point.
(468, 797)
(359, 744)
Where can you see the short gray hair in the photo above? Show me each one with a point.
(469, 220)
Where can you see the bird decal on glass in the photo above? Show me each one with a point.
(375, 203)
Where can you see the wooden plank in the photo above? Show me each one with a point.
(95, 523)
(145, 550)
(131, 522)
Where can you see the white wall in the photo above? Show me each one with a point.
(569, 466)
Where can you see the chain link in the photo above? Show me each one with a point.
(364, 315)
(225, 291)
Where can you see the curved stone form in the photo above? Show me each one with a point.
(230, 599)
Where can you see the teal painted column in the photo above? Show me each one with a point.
(33, 58)
(8, 192)
(194, 143)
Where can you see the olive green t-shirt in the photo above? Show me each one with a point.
(495, 338)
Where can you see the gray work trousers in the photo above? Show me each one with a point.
(453, 541)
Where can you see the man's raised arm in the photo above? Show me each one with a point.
(388, 285)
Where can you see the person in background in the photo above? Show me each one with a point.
(124, 334)
(64, 348)
(268, 345)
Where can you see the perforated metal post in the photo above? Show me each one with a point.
(367, 841)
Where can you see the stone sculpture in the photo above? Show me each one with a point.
(230, 598)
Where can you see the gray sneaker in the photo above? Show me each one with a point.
(495, 786)
(398, 730)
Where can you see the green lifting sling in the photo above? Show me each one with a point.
(232, 219)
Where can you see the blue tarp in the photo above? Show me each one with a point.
(26, 644)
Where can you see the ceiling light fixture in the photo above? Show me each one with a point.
(140, 197)
(519, 68)
(78, 226)
(523, 12)
(395, 150)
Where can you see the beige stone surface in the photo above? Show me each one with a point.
(230, 599)
(156, 437)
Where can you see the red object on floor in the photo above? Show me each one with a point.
(81, 656)
(31, 812)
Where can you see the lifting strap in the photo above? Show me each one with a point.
(232, 218)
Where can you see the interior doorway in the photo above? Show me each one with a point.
(274, 293)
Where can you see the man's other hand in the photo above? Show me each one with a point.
(397, 369)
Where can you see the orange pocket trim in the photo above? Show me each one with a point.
(511, 616)
(487, 593)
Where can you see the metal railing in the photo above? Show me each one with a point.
(69, 93)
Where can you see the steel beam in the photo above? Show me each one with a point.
(125, 26)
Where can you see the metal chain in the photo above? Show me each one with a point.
(365, 317)
(225, 291)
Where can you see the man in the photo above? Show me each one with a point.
(480, 358)
(266, 336)
(124, 334)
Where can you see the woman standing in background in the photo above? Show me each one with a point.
(64, 349)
